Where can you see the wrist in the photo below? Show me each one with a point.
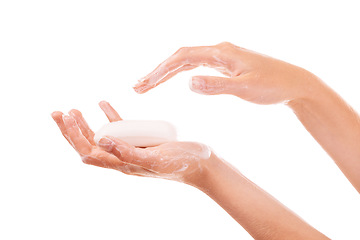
(202, 178)
(214, 173)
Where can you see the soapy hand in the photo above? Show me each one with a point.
(191, 163)
(264, 80)
(180, 161)
(251, 76)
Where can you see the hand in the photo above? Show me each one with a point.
(180, 161)
(251, 76)
(191, 163)
(264, 80)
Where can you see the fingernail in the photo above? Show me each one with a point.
(139, 88)
(197, 84)
(106, 144)
(55, 114)
(103, 103)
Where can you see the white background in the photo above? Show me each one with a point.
(58, 55)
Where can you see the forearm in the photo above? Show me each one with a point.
(262, 216)
(335, 126)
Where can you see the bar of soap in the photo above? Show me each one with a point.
(139, 133)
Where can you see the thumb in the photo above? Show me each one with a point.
(126, 152)
(211, 85)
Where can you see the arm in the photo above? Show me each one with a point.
(334, 125)
(194, 164)
(262, 216)
(264, 80)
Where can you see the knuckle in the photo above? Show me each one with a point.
(225, 44)
(183, 50)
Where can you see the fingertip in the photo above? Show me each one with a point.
(56, 115)
(103, 103)
(75, 112)
(105, 106)
(119, 148)
(141, 87)
(138, 91)
(106, 143)
(197, 84)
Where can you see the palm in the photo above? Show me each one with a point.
(176, 157)
(174, 160)
(81, 137)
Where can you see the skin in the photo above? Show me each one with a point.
(253, 77)
(194, 164)
(264, 80)
(180, 161)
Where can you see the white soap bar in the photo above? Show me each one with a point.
(139, 133)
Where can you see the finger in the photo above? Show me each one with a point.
(211, 85)
(76, 138)
(143, 87)
(58, 118)
(84, 127)
(127, 153)
(109, 111)
(104, 159)
(183, 59)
